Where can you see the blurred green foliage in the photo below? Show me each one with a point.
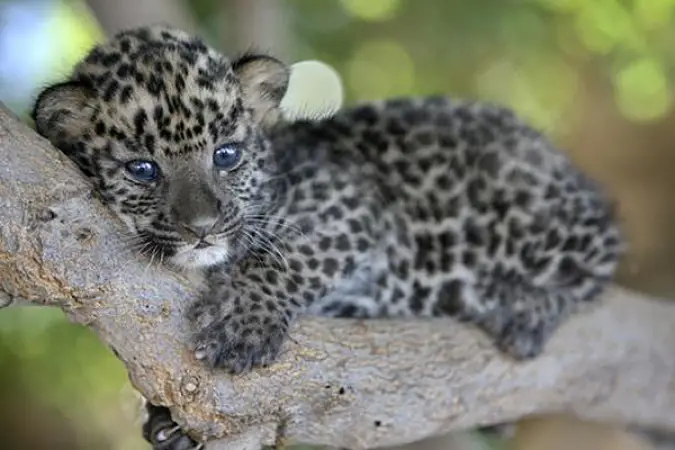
(530, 54)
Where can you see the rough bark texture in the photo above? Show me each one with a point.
(355, 384)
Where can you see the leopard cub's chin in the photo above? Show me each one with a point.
(193, 258)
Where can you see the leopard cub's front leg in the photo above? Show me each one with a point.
(239, 323)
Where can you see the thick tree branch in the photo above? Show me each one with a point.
(349, 383)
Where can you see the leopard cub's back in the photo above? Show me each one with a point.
(476, 214)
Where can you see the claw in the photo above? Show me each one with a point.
(163, 435)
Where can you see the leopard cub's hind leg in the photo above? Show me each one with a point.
(163, 433)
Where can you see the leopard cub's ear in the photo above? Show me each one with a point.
(263, 81)
(63, 111)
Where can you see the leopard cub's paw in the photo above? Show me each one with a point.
(239, 343)
(523, 335)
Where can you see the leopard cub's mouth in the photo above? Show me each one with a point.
(202, 244)
(202, 254)
(202, 247)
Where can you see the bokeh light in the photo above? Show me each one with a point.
(642, 90)
(372, 10)
(380, 69)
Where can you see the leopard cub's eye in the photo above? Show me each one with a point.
(143, 170)
(227, 157)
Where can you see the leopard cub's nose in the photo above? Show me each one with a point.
(197, 232)
(201, 227)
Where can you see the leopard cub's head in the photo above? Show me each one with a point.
(172, 134)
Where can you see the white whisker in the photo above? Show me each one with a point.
(271, 248)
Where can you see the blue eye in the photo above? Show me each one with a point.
(143, 170)
(227, 156)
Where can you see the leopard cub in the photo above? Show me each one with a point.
(412, 207)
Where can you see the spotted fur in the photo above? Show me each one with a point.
(405, 207)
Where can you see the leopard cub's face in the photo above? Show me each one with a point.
(172, 135)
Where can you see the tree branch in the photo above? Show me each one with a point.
(340, 382)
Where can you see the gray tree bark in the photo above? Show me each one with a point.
(347, 383)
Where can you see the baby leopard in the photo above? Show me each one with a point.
(399, 208)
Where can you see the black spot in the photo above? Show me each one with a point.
(403, 270)
(270, 306)
(110, 59)
(347, 311)
(447, 239)
(443, 182)
(325, 243)
(155, 85)
(354, 226)
(110, 91)
(334, 212)
(125, 95)
(457, 167)
(493, 245)
(473, 234)
(100, 128)
(447, 140)
(362, 244)
(397, 296)
(150, 143)
(124, 71)
(306, 250)
(140, 119)
(342, 243)
(475, 190)
(419, 297)
(449, 300)
(395, 128)
(271, 277)
(452, 207)
(571, 244)
(569, 271)
(489, 162)
(308, 297)
(469, 258)
(553, 239)
(291, 287)
(315, 284)
(330, 266)
(350, 202)
(295, 265)
(365, 114)
(522, 198)
(297, 278)
(552, 191)
(425, 247)
(139, 78)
